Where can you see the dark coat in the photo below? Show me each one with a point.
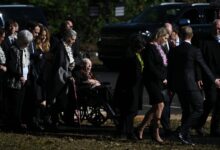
(129, 87)
(14, 67)
(211, 51)
(6, 45)
(154, 69)
(155, 72)
(182, 68)
(60, 72)
(55, 40)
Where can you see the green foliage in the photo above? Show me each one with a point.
(88, 27)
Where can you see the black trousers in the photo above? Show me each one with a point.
(126, 123)
(165, 118)
(211, 104)
(192, 109)
(14, 106)
(65, 102)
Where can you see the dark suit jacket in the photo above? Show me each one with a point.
(211, 52)
(154, 70)
(182, 68)
(6, 45)
(55, 40)
(60, 71)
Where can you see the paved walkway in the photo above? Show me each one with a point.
(172, 117)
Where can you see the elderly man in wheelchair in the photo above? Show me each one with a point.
(94, 97)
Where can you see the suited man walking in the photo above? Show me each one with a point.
(211, 52)
(61, 89)
(181, 79)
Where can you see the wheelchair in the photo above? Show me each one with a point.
(95, 105)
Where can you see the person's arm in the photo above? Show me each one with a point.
(203, 65)
(13, 62)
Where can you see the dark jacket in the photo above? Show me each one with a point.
(211, 51)
(182, 68)
(60, 72)
(154, 69)
(14, 67)
(129, 87)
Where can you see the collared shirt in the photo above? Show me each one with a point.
(12, 38)
(188, 41)
(25, 62)
(217, 39)
(177, 42)
(69, 52)
(26, 58)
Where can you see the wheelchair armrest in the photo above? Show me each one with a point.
(105, 83)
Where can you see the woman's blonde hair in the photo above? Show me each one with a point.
(160, 33)
(46, 44)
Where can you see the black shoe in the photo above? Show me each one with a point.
(132, 137)
(37, 127)
(168, 133)
(185, 139)
(199, 132)
(178, 129)
(121, 136)
(215, 134)
(21, 128)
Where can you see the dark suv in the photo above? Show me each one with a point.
(22, 14)
(114, 38)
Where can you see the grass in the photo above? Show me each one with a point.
(13, 141)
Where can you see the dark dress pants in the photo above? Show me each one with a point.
(65, 102)
(192, 108)
(14, 106)
(126, 123)
(165, 118)
(211, 103)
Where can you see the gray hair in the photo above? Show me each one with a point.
(24, 37)
(85, 61)
(69, 33)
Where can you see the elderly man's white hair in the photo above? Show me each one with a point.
(70, 33)
(85, 61)
(24, 37)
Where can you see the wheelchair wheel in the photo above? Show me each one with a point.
(97, 115)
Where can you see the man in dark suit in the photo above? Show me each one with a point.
(171, 43)
(181, 79)
(67, 25)
(62, 84)
(211, 52)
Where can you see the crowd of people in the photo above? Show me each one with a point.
(37, 75)
(40, 73)
(166, 65)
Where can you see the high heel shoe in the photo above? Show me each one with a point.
(155, 132)
(161, 142)
(139, 134)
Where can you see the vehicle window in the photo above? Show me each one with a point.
(157, 15)
(23, 14)
(1, 20)
(210, 15)
(192, 15)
